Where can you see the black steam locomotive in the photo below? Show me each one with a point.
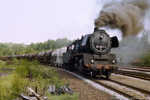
(89, 55)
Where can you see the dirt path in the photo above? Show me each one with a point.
(86, 91)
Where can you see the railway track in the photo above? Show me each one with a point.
(136, 69)
(140, 67)
(126, 90)
(129, 91)
(134, 74)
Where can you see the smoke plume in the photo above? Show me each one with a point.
(128, 15)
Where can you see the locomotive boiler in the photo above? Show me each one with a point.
(90, 54)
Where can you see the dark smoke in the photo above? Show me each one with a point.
(128, 15)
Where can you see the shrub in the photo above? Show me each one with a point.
(11, 87)
(27, 68)
(17, 86)
(9, 62)
(3, 93)
(146, 59)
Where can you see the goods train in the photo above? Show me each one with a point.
(88, 55)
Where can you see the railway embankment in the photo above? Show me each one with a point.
(119, 86)
(86, 91)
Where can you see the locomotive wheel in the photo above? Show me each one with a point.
(107, 74)
(82, 67)
(76, 66)
(94, 74)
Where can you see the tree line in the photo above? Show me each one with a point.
(7, 49)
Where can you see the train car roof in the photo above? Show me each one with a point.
(30, 55)
(41, 54)
(48, 53)
(26, 55)
(22, 55)
(34, 54)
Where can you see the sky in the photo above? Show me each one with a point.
(32, 21)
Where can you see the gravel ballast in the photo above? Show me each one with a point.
(85, 90)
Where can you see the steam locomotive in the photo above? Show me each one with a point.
(88, 55)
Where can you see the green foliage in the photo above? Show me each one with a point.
(3, 93)
(27, 68)
(6, 80)
(56, 80)
(17, 86)
(145, 59)
(10, 64)
(7, 49)
(13, 84)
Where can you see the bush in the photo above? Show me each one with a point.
(146, 59)
(9, 62)
(3, 93)
(28, 69)
(11, 87)
(14, 84)
(17, 87)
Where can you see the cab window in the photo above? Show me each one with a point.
(84, 40)
(71, 47)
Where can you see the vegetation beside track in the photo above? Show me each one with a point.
(29, 74)
(145, 59)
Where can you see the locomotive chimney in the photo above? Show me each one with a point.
(95, 29)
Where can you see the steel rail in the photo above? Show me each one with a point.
(114, 89)
(128, 95)
(130, 86)
(134, 74)
(136, 69)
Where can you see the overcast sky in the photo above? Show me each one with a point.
(31, 21)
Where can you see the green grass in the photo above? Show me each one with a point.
(11, 86)
(6, 80)
(11, 64)
(33, 75)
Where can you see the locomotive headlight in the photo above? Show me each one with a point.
(113, 61)
(101, 37)
(92, 61)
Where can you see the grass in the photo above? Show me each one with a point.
(11, 86)
(6, 80)
(33, 75)
(11, 64)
